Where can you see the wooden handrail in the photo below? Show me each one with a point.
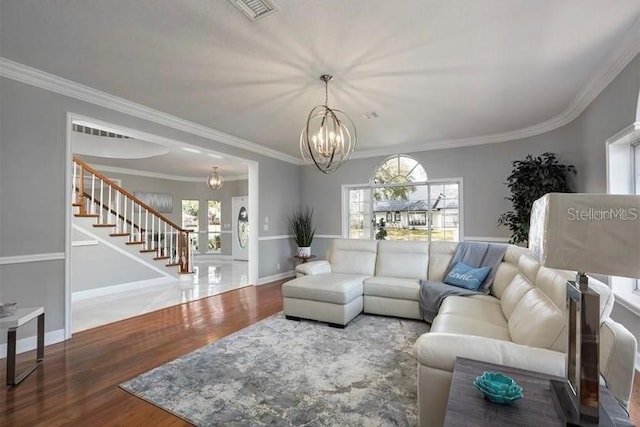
(129, 195)
(113, 212)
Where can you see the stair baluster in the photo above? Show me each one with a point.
(153, 231)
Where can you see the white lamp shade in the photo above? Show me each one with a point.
(590, 233)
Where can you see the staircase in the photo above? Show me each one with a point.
(126, 218)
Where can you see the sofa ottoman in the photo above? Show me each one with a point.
(335, 298)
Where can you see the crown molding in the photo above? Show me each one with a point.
(148, 174)
(620, 58)
(41, 79)
(617, 61)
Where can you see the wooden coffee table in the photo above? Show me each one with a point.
(467, 407)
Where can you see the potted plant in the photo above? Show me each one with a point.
(301, 224)
(531, 179)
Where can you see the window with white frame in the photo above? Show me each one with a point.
(623, 177)
(400, 200)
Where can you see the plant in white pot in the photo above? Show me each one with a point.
(301, 224)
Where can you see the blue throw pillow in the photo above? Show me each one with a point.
(463, 276)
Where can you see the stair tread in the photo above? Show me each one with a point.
(135, 243)
(144, 251)
(87, 215)
(161, 257)
(173, 264)
(118, 234)
(104, 225)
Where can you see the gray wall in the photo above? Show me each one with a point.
(98, 266)
(182, 190)
(484, 168)
(32, 179)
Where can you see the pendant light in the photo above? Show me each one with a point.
(215, 181)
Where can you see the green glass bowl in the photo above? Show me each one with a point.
(498, 388)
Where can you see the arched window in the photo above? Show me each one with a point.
(400, 203)
(399, 169)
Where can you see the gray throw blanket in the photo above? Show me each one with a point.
(474, 254)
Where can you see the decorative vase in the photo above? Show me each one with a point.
(304, 252)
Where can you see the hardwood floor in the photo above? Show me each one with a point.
(78, 382)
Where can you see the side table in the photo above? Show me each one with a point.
(12, 323)
(304, 258)
(467, 407)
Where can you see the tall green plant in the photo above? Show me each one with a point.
(301, 225)
(531, 179)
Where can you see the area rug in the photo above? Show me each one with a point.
(281, 372)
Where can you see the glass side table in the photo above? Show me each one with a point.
(12, 323)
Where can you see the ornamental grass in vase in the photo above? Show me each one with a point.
(301, 224)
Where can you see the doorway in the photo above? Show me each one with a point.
(217, 272)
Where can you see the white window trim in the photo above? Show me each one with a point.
(621, 180)
(345, 203)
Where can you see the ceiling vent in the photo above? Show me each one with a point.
(97, 132)
(255, 9)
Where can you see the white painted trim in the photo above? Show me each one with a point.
(328, 236)
(210, 257)
(38, 78)
(30, 343)
(148, 174)
(85, 243)
(638, 362)
(226, 232)
(274, 277)
(68, 219)
(277, 237)
(123, 252)
(486, 239)
(21, 259)
(109, 290)
(254, 199)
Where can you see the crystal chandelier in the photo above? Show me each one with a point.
(215, 180)
(329, 137)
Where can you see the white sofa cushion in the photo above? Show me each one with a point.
(353, 256)
(514, 293)
(536, 321)
(440, 253)
(462, 325)
(408, 260)
(392, 287)
(485, 309)
(336, 288)
(506, 270)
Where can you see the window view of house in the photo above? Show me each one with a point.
(403, 203)
(214, 239)
(190, 220)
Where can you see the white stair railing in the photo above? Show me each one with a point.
(97, 196)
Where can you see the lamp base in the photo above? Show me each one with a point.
(565, 404)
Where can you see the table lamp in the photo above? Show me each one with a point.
(587, 233)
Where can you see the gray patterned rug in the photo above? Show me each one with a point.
(281, 372)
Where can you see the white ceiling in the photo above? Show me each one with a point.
(438, 73)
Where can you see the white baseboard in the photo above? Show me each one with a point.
(30, 343)
(108, 290)
(274, 277)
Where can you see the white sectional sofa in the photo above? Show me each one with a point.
(521, 323)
